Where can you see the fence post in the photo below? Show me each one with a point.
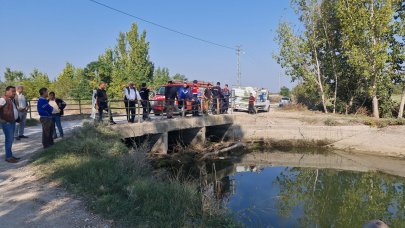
(29, 108)
(80, 106)
(109, 111)
(218, 104)
(139, 111)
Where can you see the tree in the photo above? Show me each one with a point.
(65, 81)
(298, 55)
(34, 82)
(81, 89)
(13, 75)
(180, 77)
(130, 61)
(365, 28)
(284, 91)
(160, 76)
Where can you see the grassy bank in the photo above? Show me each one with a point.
(119, 183)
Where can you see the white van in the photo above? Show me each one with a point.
(241, 94)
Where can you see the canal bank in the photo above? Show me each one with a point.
(348, 135)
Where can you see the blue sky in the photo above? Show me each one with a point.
(45, 34)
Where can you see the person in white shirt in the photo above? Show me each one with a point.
(130, 99)
(22, 107)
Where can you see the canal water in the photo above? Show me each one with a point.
(293, 189)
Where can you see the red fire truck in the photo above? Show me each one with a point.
(159, 98)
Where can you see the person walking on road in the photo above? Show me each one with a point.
(170, 97)
(131, 98)
(102, 102)
(252, 109)
(216, 95)
(144, 94)
(8, 118)
(22, 107)
(58, 106)
(45, 112)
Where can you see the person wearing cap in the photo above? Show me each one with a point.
(195, 90)
(170, 97)
(216, 95)
(131, 98)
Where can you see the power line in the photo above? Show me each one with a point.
(161, 26)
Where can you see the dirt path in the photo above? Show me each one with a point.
(26, 201)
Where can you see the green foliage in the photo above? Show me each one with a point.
(13, 76)
(160, 76)
(179, 77)
(284, 91)
(119, 183)
(33, 83)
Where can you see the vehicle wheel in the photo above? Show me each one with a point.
(158, 113)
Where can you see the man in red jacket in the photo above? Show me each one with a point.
(8, 118)
(252, 100)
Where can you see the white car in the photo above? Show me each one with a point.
(284, 101)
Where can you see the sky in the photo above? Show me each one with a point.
(46, 34)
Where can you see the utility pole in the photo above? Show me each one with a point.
(239, 74)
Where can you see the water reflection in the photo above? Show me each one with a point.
(311, 190)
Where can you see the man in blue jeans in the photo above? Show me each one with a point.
(58, 106)
(8, 118)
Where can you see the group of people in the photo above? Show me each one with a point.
(13, 114)
(131, 97)
(213, 98)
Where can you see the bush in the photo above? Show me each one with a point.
(330, 122)
(120, 184)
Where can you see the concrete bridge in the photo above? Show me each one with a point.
(162, 135)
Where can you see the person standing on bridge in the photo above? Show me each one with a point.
(217, 94)
(8, 118)
(131, 98)
(225, 103)
(207, 99)
(170, 97)
(45, 112)
(184, 95)
(144, 93)
(22, 107)
(102, 102)
(196, 102)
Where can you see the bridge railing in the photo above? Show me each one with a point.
(119, 107)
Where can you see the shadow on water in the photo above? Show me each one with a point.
(301, 189)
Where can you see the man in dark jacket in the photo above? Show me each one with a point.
(8, 118)
(216, 95)
(58, 106)
(102, 102)
(170, 97)
(45, 113)
(144, 93)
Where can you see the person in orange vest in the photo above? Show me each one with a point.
(252, 100)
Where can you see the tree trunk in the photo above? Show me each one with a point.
(401, 106)
(349, 105)
(376, 113)
(318, 72)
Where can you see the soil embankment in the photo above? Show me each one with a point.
(347, 133)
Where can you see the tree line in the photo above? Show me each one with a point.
(128, 61)
(347, 55)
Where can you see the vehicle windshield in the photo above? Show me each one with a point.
(285, 99)
(161, 90)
